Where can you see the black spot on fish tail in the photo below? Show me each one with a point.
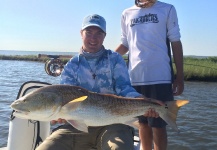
(166, 106)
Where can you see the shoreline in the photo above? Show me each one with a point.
(195, 69)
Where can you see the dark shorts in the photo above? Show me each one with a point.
(66, 137)
(161, 92)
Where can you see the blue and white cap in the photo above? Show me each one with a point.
(94, 20)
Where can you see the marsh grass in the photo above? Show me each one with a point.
(195, 69)
(200, 69)
(21, 57)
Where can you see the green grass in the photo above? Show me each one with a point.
(195, 69)
(200, 69)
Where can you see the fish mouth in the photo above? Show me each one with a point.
(21, 114)
(21, 111)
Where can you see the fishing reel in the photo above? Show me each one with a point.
(53, 66)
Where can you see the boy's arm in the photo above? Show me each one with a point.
(178, 85)
(121, 49)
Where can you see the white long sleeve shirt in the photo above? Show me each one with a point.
(144, 33)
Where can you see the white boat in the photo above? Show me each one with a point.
(27, 134)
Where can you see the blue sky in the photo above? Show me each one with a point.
(54, 25)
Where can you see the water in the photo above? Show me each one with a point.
(14, 52)
(197, 120)
(12, 75)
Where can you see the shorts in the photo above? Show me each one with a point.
(162, 92)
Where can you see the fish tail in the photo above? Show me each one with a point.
(171, 115)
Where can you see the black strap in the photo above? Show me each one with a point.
(169, 52)
(38, 138)
(171, 62)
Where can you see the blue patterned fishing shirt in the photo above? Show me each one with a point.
(111, 74)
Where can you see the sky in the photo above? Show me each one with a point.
(54, 25)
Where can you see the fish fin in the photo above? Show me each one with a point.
(136, 124)
(73, 104)
(171, 115)
(78, 124)
(133, 123)
(80, 99)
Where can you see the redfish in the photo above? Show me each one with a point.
(82, 108)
